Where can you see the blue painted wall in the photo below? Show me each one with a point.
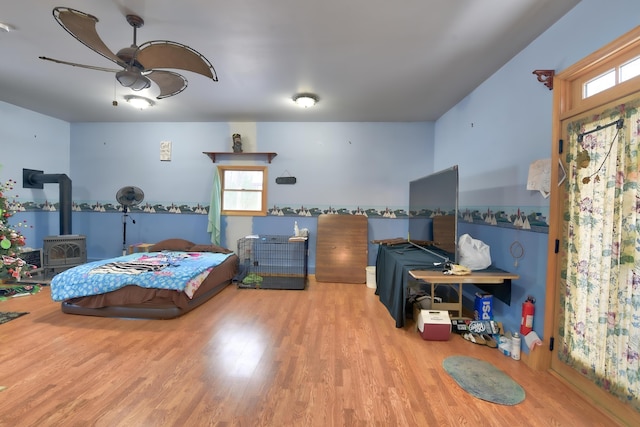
(33, 141)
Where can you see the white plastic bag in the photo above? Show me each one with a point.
(474, 253)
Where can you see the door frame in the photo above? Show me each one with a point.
(568, 103)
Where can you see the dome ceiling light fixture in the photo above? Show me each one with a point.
(139, 102)
(305, 100)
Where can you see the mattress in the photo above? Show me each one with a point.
(137, 302)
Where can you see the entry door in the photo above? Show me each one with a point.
(587, 262)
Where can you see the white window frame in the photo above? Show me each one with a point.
(243, 212)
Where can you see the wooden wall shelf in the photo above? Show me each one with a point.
(214, 156)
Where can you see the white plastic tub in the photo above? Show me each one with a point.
(371, 277)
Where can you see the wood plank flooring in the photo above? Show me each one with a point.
(326, 356)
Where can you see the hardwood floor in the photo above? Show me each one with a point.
(326, 356)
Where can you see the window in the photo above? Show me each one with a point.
(612, 77)
(630, 69)
(600, 83)
(244, 190)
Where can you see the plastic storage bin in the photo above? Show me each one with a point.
(371, 277)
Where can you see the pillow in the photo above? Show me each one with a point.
(210, 248)
(172, 245)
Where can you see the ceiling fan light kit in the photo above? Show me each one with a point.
(305, 100)
(139, 102)
(133, 79)
(140, 65)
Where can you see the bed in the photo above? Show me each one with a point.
(150, 285)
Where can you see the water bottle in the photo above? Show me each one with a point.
(515, 346)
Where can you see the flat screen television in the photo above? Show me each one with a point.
(433, 213)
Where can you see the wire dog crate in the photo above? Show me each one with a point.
(273, 262)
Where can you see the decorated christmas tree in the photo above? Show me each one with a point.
(11, 240)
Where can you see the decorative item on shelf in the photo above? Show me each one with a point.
(546, 77)
(237, 143)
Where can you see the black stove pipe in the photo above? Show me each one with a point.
(35, 179)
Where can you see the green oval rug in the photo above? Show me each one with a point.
(483, 380)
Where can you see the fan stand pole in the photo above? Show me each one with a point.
(124, 230)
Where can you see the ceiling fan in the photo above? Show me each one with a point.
(139, 64)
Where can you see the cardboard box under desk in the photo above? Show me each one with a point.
(434, 325)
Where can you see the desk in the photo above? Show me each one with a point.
(435, 278)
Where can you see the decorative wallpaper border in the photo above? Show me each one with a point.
(99, 207)
(532, 219)
(527, 219)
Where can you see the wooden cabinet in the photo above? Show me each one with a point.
(341, 248)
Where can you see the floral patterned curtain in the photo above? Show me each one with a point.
(600, 274)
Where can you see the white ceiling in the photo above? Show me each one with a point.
(368, 60)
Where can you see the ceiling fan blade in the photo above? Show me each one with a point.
(166, 54)
(82, 26)
(170, 83)
(73, 64)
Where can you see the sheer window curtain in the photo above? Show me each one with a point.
(600, 279)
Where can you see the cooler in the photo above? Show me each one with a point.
(434, 325)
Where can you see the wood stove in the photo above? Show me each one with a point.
(63, 252)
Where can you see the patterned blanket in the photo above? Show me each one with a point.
(181, 271)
